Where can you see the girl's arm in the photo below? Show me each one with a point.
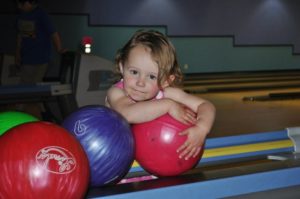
(138, 112)
(205, 117)
(204, 109)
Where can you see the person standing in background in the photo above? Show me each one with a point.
(36, 34)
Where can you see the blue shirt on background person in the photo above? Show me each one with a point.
(36, 33)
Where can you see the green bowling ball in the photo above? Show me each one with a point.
(9, 119)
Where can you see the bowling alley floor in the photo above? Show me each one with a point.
(249, 102)
(237, 116)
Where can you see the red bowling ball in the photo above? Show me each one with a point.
(156, 145)
(42, 160)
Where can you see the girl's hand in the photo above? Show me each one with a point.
(182, 114)
(193, 144)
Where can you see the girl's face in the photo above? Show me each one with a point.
(140, 73)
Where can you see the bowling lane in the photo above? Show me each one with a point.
(242, 86)
(195, 82)
(238, 116)
(241, 75)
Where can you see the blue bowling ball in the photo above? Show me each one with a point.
(107, 140)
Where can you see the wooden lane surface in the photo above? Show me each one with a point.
(240, 75)
(236, 116)
(242, 86)
(202, 82)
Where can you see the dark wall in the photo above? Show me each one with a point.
(209, 35)
(250, 22)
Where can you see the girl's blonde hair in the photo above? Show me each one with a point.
(162, 52)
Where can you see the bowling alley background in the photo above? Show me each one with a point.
(209, 35)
